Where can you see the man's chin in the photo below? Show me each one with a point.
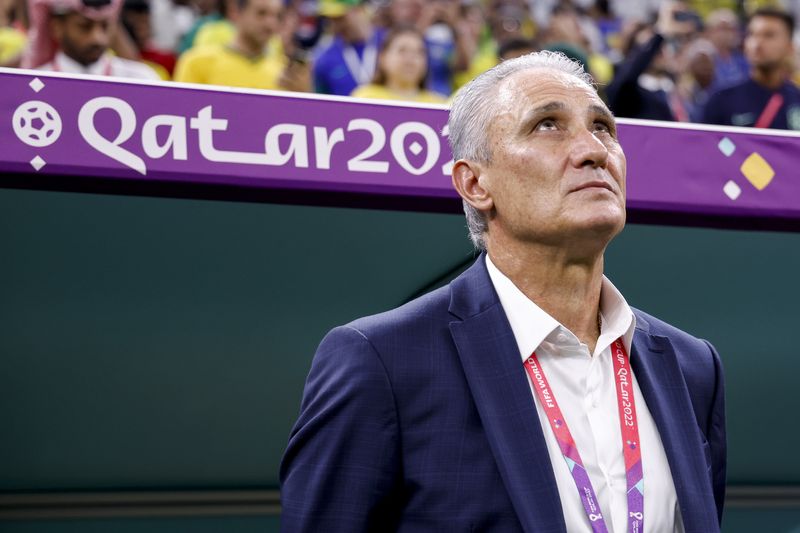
(89, 59)
(601, 226)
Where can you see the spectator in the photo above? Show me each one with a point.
(170, 21)
(697, 79)
(245, 61)
(644, 86)
(402, 69)
(767, 99)
(508, 20)
(516, 48)
(349, 59)
(403, 12)
(478, 48)
(439, 22)
(730, 66)
(12, 38)
(207, 11)
(609, 26)
(74, 36)
(136, 21)
(576, 36)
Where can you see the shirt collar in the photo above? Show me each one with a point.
(531, 325)
(69, 65)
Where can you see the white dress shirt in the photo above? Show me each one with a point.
(107, 65)
(584, 387)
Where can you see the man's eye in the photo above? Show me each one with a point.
(546, 125)
(602, 127)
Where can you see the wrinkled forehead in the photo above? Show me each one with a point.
(530, 88)
(527, 86)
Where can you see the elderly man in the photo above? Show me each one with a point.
(526, 395)
(74, 36)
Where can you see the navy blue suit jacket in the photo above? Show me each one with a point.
(421, 419)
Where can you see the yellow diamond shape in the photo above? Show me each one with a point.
(757, 171)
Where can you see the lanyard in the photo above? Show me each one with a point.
(363, 68)
(631, 450)
(770, 110)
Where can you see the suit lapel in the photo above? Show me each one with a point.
(658, 373)
(497, 380)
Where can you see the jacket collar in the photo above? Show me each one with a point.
(490, 358)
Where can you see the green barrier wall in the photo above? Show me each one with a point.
(151, 343)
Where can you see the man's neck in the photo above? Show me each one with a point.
(248, 47)
(67, 63)
(772, 78)
(566, 288)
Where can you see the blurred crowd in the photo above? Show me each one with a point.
(724, 62)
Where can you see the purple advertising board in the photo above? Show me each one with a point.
(120, 136)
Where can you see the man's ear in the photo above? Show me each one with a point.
(468, 184)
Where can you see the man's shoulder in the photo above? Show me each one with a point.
(733, 90)
(647, 324)
(792, 90)
(330, 51)
(202, 53)
(134, 69)
(417, 316)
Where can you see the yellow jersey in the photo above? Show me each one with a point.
(12, 44)
(383, 93)
(222, 65)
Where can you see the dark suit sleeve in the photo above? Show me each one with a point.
(716, 435)
(340, 469)
(624, 96)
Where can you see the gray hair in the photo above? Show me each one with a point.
(472, 111)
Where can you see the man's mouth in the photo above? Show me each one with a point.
(594, 184)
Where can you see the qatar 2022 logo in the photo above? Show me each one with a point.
(37, 123)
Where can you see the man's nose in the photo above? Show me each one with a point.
(99, 36)
(588, 150)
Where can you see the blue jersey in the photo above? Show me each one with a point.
(742, 105)
(332, 75)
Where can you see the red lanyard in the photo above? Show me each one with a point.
(629, 427)
(770, 110)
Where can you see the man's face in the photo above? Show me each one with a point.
(81, 38)
(557, 173)
(259, 20)
(768, 44)
(405, 11)
(724, 34)
(353, 26)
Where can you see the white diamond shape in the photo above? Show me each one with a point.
(37, 85)
(415, 148)
(732, 190)
(37, 163)
(447, 168)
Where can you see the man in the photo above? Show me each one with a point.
(247, 60)
(644, 86)
(349, 60)
(74, 36)
(730, 65)
(767, 99)
(502, 402)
